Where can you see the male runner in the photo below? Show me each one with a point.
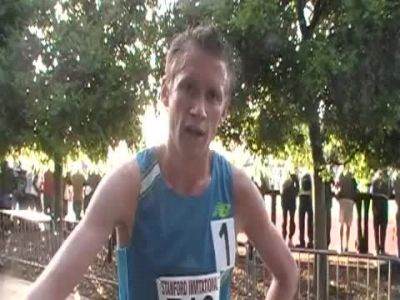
(177, 207)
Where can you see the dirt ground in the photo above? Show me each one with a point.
(243, 287)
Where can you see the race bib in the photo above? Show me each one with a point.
(203, 287)
(224, 239)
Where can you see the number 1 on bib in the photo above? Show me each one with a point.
(224, 239)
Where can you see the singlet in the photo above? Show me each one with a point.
(182, 248)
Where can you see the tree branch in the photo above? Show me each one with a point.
(300, 16)
(284, 2)
(318, 9)
(306, 31)
(349, 158)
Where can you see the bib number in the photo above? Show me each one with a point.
(223, 234)
(203, 287)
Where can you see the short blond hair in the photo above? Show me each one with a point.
(207, 38)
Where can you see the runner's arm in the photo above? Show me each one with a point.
(113, 204)
(254, 221)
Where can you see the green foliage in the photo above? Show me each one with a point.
(14, 17)
(329, 66)
(93, 85)
(335, 69)
(366, 93)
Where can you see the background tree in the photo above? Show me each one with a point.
(14, 18)
(91, 81)
(366, 95)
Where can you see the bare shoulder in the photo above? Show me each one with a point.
(117, 194)
(246, 196)
(125, 175)
(243, 187)
(241, 182)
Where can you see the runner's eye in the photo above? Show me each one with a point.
(188, 86)
(214, 96)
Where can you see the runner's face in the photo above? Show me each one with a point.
(196, 99)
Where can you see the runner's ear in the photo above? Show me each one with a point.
(165, 86)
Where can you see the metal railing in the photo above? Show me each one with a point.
(33, 242)
(348, 275)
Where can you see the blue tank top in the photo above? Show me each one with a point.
(181, 247)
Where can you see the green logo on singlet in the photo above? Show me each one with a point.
(221, 210)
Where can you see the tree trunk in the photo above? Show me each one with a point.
(58, 189)
(314, 131)
(320, 236)
(273, 208)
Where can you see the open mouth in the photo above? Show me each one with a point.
(197, 132)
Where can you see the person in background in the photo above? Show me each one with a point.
(40, 186)
(289, 192)
(306, 208)
(32, 190)
(90, 187)
(328, 205)
(346, 192)
(78, 180)
(7, 185)
(20, 189)
(380, 190)
(48, 191)
(68, 210)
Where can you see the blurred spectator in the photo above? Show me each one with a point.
(328, 205)
(7, 185)
(78, 180)
(265, 186)
(32, 191)
(48, 191)
(21, 184)
(380, 190)
(289, 192)
(346, 193)
(90, 187)
(69, 197)
(306, 207)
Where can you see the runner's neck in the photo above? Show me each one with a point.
(185, 176)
